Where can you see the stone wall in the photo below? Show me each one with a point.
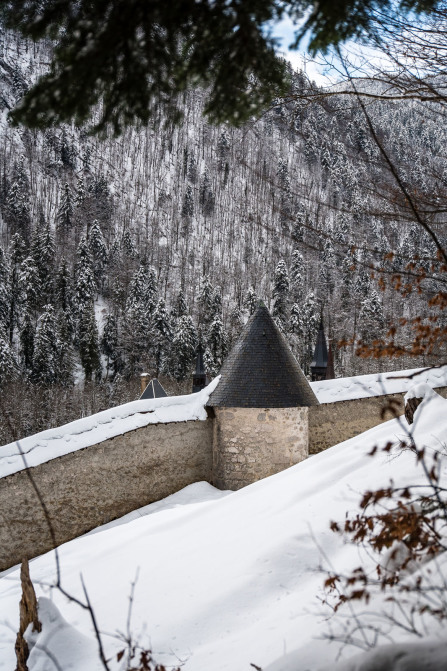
(90, 487)
(331, 423)
(253, 443)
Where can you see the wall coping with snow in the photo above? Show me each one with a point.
(377, 384)
(88, 431)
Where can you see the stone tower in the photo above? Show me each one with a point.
(261, 407)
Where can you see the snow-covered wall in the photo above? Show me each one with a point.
(377, 384)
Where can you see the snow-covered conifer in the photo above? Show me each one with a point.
(89, 343)
(26, 337)
(17, 206)
(110, 346)
(280, 295)
(297, 276)
(162, 336)
(29, 284)
(98, 250)
(8, 362)
(5, 290)
(184, 346)
(251, 300)
(46, 349)
(64, 216)
(85, 285)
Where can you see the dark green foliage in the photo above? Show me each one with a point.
(136, 55)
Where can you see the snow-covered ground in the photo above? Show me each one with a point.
(377, 384)
(91, 430)
(226, 582)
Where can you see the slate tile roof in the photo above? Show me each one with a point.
(261, 371)
(320, 354)
(153, 390)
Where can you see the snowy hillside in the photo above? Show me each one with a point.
(224, 583)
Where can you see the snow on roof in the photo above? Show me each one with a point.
(377, 384)
(226, 583)
(95, 429)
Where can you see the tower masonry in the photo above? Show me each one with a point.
(260, 407)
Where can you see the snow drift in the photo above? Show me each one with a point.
(224, 583)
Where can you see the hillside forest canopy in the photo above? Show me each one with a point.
(120, 254)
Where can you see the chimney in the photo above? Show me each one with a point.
(144, 379)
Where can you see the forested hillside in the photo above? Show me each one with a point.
(120, 255)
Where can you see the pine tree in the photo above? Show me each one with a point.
(129, 246)
(307, 329)
(299, 226)
(236, 324)
(371, 317)
(66, 358)
(17, 253)
(17, 211)
(217, 343)
(67, 152)
(26, 338)
(98, 250)
(206, 197)
(162, 336)
(29, 285)
(65, 212)
(8, 362)
(85, 285)
(280, 295)
(181, 307)
(110, 347)
(250, 301)
(89, 343)
(297, 276)
(43, 251)
(5, 290)
(184, 346)
(63, 287)
(46, 349)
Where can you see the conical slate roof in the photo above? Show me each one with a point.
(320, 355)
(153, 390)
(261, 371)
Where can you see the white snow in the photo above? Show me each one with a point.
(91, 430)
(228, 582)
(377, 384)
